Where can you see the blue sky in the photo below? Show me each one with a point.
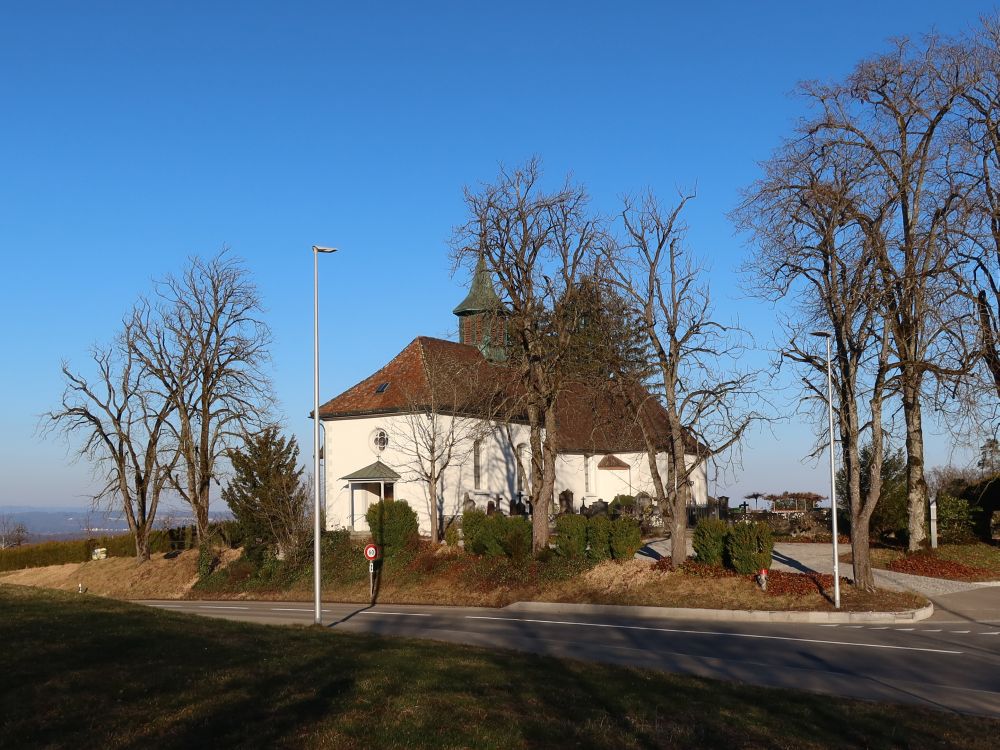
(136, 134)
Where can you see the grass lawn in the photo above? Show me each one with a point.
(82, 672)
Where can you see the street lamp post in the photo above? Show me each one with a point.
(833, 479)
(316, 499)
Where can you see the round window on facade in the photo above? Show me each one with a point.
(380, 440)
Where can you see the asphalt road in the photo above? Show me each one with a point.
(947, 662)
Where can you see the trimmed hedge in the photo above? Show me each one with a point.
(626, 538)
(392, 524)
(710, 541)
(496, 535)
(749, 547)
(571, 535)
(599, 538)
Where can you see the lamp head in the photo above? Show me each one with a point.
(318, 249)
(821, 334)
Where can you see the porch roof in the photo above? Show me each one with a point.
(376, 472)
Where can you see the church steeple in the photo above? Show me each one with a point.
(482, 316)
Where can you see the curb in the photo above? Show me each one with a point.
(722, 615)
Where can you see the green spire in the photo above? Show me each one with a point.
(482, 297)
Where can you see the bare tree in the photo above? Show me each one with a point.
(978, 135)
(706, 397)
(819, 233)
(208, 354)
(122, 422)
(893, 111)
(12, 533)
(538, 244)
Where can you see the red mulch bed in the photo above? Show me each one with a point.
(928, 564)
(781, 582)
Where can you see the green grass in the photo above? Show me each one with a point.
(81, 672)
(983, 557)
(977, 555)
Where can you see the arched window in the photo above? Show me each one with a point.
(477, 464)
(522, 468)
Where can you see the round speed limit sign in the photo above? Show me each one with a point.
(371, 552)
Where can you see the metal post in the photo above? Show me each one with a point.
(318, 614)
(833, 476)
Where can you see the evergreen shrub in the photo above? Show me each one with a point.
(599, 538)
(956, 521)
(496, 535)
(571, 535)
(393, 523)
(710, 541)
(748, 547)
(626, 538)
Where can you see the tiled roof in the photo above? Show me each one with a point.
(429, 372)
(593, 420)
(453, 377)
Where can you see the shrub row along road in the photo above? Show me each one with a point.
(944, 663)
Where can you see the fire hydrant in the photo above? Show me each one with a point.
(762, 579)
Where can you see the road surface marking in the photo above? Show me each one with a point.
(995, 632)
(289, 609)
(959, 631)
(399, 614)
(829, 626)
(928, 630)
(854, 626)
(903, 629)
(884, 627)
(713, 632)
(169, 605)
(219, 606)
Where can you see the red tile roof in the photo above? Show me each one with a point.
(429, 372)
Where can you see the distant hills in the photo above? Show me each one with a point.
(45, 524)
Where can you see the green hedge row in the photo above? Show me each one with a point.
(744, 547)
(496, 535)
(597, 538)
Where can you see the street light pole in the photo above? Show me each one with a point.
(833, 477)
(318, 615)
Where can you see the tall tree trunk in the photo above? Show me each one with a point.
(142, 543)
(678, 467)
(432, 482)
(543, 500)
(916, 484)
(201, 522)
(987, 325)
